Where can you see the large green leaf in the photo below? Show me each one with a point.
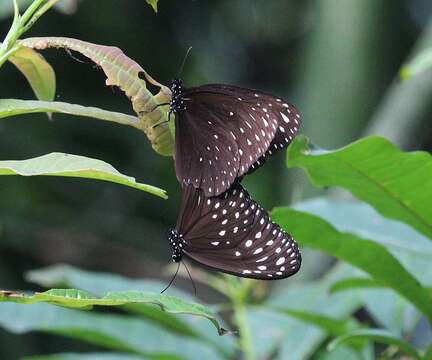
(332, 326)
(411, 248)
(115, 332)
(67, 165)
(367, 255)
(296, 337)
(37, 71)
(98, 283)
(397, 184)
(81, 299)
(101, 283)
(380, 336)
(355, 283)
(345, 353)
(13, 107)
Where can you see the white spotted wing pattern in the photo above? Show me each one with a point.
(231, 233)
(223, 132)
(288, 127)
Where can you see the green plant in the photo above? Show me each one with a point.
(384, 243)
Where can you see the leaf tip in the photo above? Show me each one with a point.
(153, 4)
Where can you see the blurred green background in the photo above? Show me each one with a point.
(338, 61)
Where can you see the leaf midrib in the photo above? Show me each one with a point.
(390, 194)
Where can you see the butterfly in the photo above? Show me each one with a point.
(231, 233)
(225, 132)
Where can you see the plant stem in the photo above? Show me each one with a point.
(30, 11)
(406, 105)
(19, 26)
(12, 31)
(5, 55)
(245, 335)
(239, 291)
(42, 10)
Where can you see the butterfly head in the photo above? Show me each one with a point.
(177, 243)
(177, 101)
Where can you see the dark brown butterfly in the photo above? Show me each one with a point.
(224, 132)
(233, 234)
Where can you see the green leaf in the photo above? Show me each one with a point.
(314, 232)
(355, 283)
(97, 283)
(153, 4)
(84, 356)
(72, 298)
(131, 78)
(101, 283)
(114, 332)
(67, 165)
(377, 172)
(412, 249)
(37, 71)
(345, 353)
(377, 335)
(386, 308)
(13, 107)
(428, 353)
(331, 325)
(294, 338)
(421, 63)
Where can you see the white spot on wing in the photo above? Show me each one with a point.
(280, 261)
(285, 118)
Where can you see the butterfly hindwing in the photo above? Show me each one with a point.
(233, 234)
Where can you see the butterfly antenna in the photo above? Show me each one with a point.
(184, 61)
(172, 280)
(190, 277)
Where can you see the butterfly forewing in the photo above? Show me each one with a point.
(205, 151)
(224, 131)
(288, 126)
(233, 234)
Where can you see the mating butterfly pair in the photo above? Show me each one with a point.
(222, 134)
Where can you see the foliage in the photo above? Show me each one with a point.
(382, 239)
(420, 64)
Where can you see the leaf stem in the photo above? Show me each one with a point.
(245, 335)
(239, 292)
(20, 25)
(30, 11)
(42, 10)
(5, 55)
